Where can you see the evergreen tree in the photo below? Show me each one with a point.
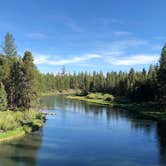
(15, 86)
(3, 98)
(63, 70)
(162, 73)
(9, 47)
(28, 86)
(4, 69)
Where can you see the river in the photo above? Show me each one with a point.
(82, 134)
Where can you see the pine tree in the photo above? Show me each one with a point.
(29, 91)
(162, 72)
(3, 98)
(4, 69)
(9, 47)
(16, 78)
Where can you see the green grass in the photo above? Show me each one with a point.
(96, 101)
(97, 98)
(146, 110)
(16, 123)
(8, 135)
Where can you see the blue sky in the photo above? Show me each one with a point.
(86, 34)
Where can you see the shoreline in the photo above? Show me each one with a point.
(144, 110)
(63, 92)
(33, 123)
(13, 134)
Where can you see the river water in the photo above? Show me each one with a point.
(82, 134)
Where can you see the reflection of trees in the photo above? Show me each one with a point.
(161, 133)
(22, 151)
(146, 126)
(81, 106)
(48, 101)
(108, 113)
(113, 114)
(53, 101)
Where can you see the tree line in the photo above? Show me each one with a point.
(145, 85)
(21, 83)
(140, 85)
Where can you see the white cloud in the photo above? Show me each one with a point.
(37, 35)
(139, 59)
(115, 53)
(42, 59)
(118, 53)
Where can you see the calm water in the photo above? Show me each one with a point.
(84, 134)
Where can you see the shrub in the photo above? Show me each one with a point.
(106, 97)
(109, 99)
(8, 121)
(11, 120)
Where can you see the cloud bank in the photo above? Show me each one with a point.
(141, 59)
(116, 53)
(41, 59)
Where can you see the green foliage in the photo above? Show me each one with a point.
(9, 47)
(11, 134)
(134, 85)
(22, 83)
(28, 92)
(10, 120)
(15, 124)
(106, 97)
(162, 74)
(27, 129)
(3, 98)
(97, 98)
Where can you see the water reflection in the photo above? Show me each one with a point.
(98, 110)
(161, 133)
(22, 151)
(148, 127)
(88, 134)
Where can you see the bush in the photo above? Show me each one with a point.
(27, 129)
(95, 96)
(84, 93)
(106, 97)
(109, 99)
(10, 120)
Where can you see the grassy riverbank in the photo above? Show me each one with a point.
(14, 124)
(148, 110)
(63, 92)
(96, 98)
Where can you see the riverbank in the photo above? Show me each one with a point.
(146, 110)
(62, 92)
(15, 124)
